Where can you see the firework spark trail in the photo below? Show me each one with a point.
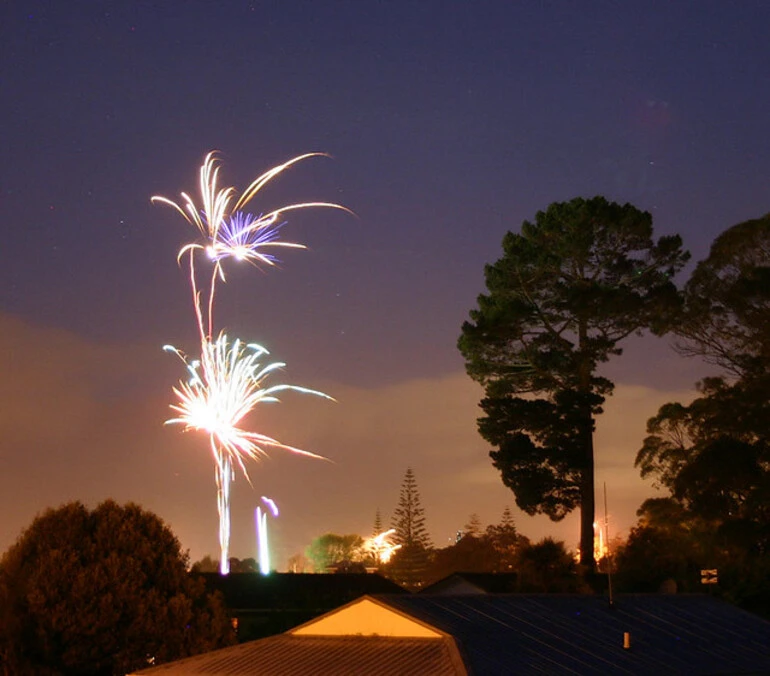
(271, 504)
(226, 383)
(263, 556)
(233, 233)
(263, 545)
(381, 547)
(223, 477)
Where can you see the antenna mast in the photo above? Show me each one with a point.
(609, 551)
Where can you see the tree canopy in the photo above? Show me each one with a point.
(547, 566)
(713, 454)
(573, 284)
(505, 540)
(103, 591)
(330, 549)
(496, 549)
(727, 317)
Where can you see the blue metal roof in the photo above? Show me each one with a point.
(570, 634)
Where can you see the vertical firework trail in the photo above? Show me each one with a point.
(263, 545)
(226, 383)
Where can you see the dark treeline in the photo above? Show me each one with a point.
(711, 456)
(569, 287)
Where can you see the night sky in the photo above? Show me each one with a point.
(448, 124)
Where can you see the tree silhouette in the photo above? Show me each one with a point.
(713, 455)
(331, 549)
(547, 566)
(409, 515)
(409, 562)
(377, 528)
(473, 527)
(568, 289)
(101, 592)
(206, 565)
(728, 302)
(506, 541)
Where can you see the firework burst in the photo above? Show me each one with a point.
(223, 387)
(381, 547)
(231, 232)
(227, 382)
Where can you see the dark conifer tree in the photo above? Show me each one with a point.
(473, 527)
(409, 516)
(409, 563)
(506, 541)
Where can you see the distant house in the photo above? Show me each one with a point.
(263, 605)
(474, 583)
(487, 634)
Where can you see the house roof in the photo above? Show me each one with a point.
(473, 583)
(582, 634)
(289, 655)
(319, 592)
(505, 634)
(367, 616)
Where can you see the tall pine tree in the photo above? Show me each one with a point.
(377, 529)
(473, 527)
(409, 516)
(506, 541)
(409, 563)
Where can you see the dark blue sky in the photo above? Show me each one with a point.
(449, 122)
